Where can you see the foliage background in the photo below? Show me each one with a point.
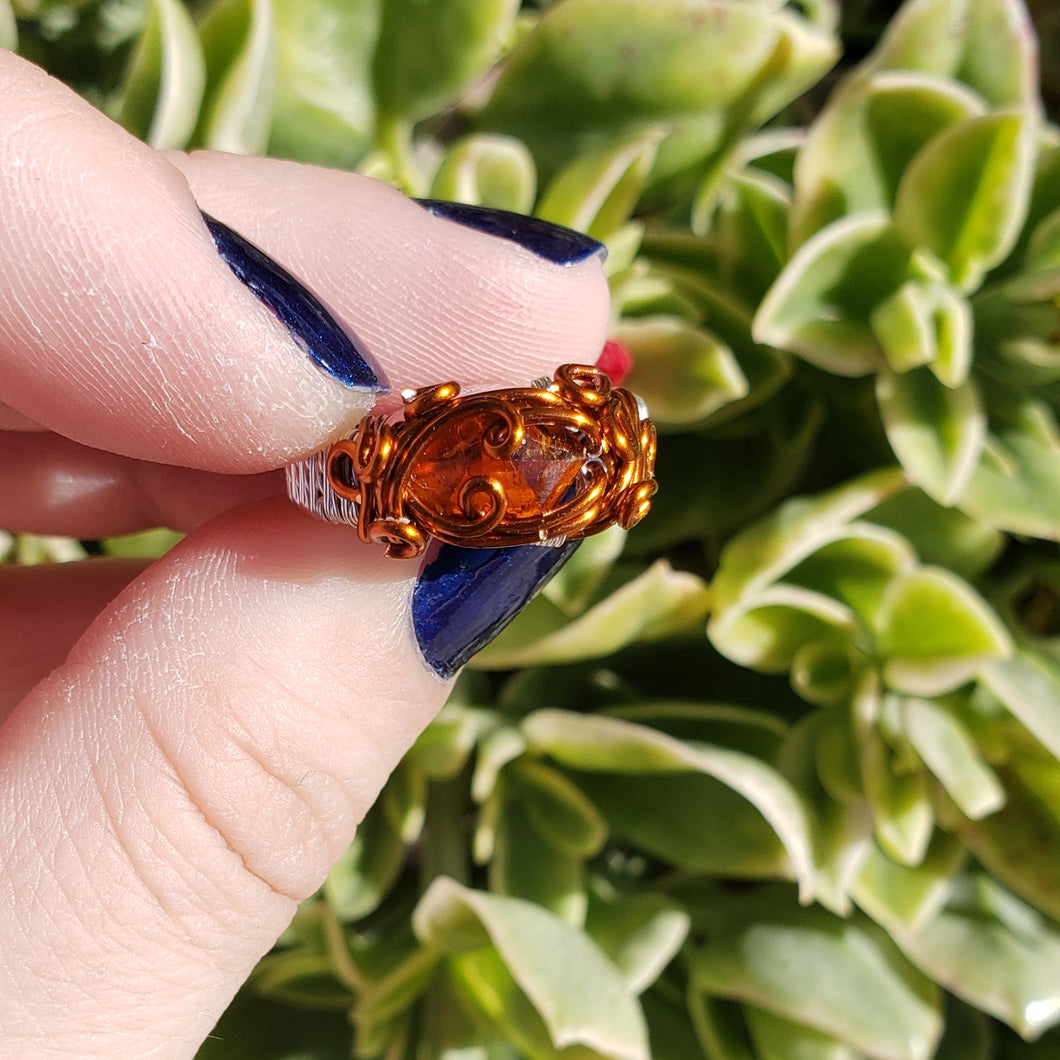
(829, 828)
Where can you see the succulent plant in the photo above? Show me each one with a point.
(775, 775)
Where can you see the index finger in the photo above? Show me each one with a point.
(123, 328)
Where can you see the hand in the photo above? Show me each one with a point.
(188, 746)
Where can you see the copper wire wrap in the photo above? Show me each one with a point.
(561, 459)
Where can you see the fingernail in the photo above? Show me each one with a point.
(561, 246)
(464, 597)
(308, 320)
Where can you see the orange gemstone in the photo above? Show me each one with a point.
(547, 470)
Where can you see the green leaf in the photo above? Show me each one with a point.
(992, 951)
(651, 605)
(484, 838)
(1016, 322)
(821, 304)
(900, 802)
(941, 536)
(301, 978)
(952, 318)
(777, 1038)
(323, 110)
(824, 672)
(166, 78)
(594, 71)
(391, 998)
(490, 1001)
(988, 45)
(443, 748)
(925, 322)
(8, 27)
(935, 632)
(760, 623)
(238, 39)
(683, 373)
(769, 549)
(488, 170)
(755, 732)
(844, 839)
(843, 978)
(861, 143)
(592, 743)
(843, 832)
(1016, 486)
(709, 486)
(597, 192)
(779, 624)
(366, 871)
(578, 993)
(1046, 187)
(911, 895)
(669, 1028)
(498, 747)
(559, 811)
(949, 751)
(856, 568)
(30, 549)
(428, 54)
(1043, 245)
(580, 579)
(1028, 684)
(970, 1035)
(640, 932)
(147, 544)
(403, 800)
(253, 1028)
(691, 821)
(525, 863)
(720, 1027)
(717, 282)
(836, 755)
(965, 194)
(642, 290)
(748, 231)
(1020, 843)
(936, 432)
(573, 687)
(53, 13)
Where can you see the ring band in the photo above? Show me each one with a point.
(561, 459)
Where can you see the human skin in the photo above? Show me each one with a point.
(188, 745)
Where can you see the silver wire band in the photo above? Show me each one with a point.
(307, 486)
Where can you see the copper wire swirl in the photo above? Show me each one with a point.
(526, 465)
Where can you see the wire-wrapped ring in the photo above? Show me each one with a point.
(560, 459)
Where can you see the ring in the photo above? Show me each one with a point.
(560, 459)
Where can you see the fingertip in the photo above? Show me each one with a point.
(120, 324)
(432, 299)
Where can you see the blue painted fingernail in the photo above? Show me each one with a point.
(464, 597)
(561, 246)
(310, 323)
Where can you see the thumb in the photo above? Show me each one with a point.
(175, 789)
